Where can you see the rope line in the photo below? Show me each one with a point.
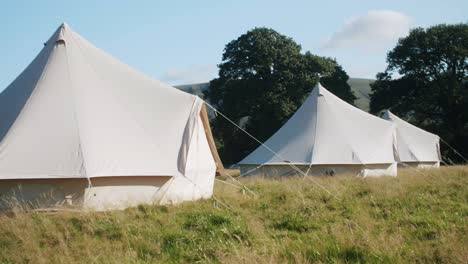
(221, 203)
(243, 185)
(445, 163)
(442, 160)
(225, 182)
(245, 173)
(458, 153)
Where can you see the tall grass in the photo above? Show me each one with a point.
(419, 216)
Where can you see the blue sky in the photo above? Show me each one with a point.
(182, 41)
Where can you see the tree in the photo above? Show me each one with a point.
(263, 79)
(432, 87)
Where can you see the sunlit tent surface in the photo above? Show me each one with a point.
(326, 136)
(79, 127)
(416, 147)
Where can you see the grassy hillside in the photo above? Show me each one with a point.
(360, 87)
(419, 216)
(362, 90)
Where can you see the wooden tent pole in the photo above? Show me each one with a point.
(209, 137)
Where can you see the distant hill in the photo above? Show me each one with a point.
(362, 90)
(195, 89)
(360, 87)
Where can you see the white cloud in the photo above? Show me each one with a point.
(378, 29)
(192, 74)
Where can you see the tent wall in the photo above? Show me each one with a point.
(198, 179)
(118, 192)
(197, 182)
(42, 193)
(420, 164)
(106, 193)
(318, 170)
(372, 170)
(415, 145)
(109, 193)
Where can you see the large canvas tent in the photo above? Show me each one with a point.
(416, 147)
(326, 136)
(79, 127)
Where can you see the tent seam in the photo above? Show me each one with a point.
(315, 128)
(76, 115)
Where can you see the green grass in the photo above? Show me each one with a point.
(419, 216)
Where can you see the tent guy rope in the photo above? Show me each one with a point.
(249, 171)
(243, 185)
(458, 153)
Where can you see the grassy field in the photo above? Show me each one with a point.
(419, 216)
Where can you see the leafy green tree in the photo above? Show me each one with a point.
(431, 85)
(263, 79)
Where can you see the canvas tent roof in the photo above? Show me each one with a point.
(414, 143)
(327, 130)
(76, 112)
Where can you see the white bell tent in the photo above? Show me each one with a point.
(326, 136)
(416, 147)
(79, 127)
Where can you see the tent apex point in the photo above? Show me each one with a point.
(320, 88)
(64, 25)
